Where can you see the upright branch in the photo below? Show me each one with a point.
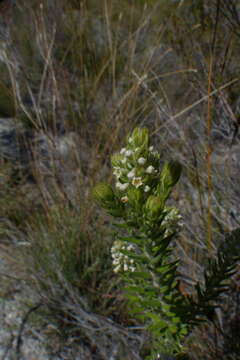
(143, 256)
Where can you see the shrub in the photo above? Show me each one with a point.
(144, 256)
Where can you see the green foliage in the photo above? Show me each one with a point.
(151, 285)
(216, 279)
(144, 257)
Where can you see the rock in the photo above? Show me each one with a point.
(7, 106)
(9, 146)
(54, 161)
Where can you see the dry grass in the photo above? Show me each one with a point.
(84, 73)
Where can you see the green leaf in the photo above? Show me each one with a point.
(134, 289)
(140, 275)
(130, 239)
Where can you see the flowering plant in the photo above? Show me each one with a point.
(144, 256)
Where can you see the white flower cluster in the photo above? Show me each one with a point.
(134, 168)
(172, 221)
(122, 262)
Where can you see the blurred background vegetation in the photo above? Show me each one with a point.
(76, 77)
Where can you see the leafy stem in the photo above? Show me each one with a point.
(143, 257)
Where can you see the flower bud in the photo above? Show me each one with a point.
(171, 173)
(134, 197)
(141, 161)
(154, 206)
(147, 188)
(150, 169)
(128, 153)
(103, 194)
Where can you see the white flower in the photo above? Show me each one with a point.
(150, 169)
(137, 181)
(121, 186)
(128, 153)
(124, 199)
(130, 140)
(131, 174)
(117, 268)
(141, 161)
(130, 247)
(147, 188)
(122, 151)
(117, 172)
(125, 267)
(118, 185)
(123, 161)
(124, 186)
(154, 153)
(122, 262)
(172, 221)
